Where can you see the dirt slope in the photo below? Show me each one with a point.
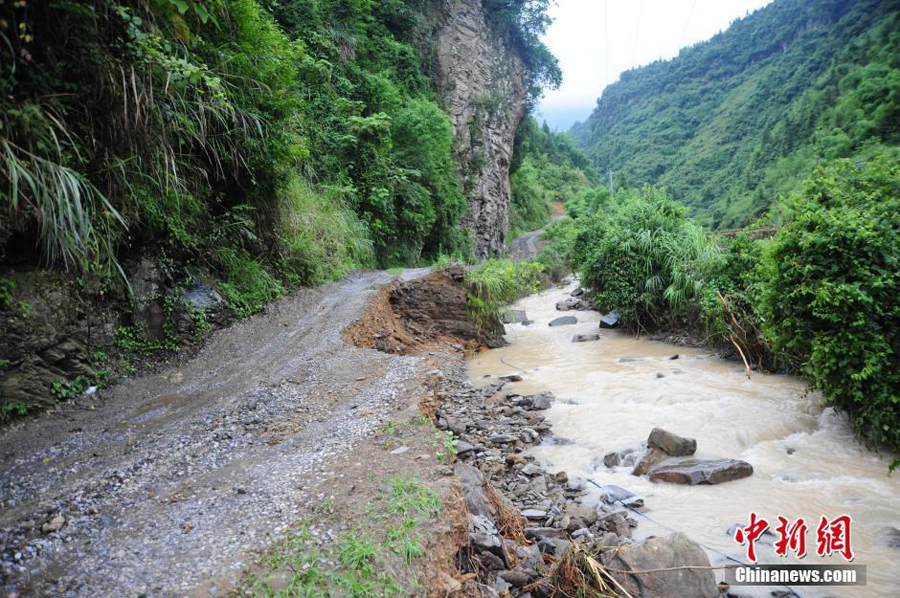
(171, 484)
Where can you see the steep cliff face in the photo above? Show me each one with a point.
(483, 85)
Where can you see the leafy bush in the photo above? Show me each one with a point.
(728, 303)
(644, 259)
(432, 200)
(588, 201)
(494, 283)
(830, 292)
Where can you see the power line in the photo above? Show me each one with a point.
(606, 39)
(637, 31)
(686, 23)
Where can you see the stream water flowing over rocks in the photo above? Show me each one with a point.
(611, 392)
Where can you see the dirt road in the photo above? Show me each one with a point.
(528, 245)
(170, 484)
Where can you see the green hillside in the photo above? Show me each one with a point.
(735, 122)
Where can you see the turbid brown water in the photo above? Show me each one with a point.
(806, 460)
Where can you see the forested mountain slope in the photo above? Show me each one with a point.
(736, 121)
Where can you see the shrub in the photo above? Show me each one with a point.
(728, 303)
(428, 212)
(830, 287)
(644, 259)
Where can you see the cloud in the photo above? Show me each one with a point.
(597, 40)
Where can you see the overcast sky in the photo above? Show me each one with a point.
(635, 32)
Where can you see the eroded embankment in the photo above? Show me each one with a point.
(529, 533)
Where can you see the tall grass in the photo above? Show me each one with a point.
(494, 283)
(321, 238)
(77, 224)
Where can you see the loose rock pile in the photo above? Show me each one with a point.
(524, 520)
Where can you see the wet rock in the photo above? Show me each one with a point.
(537, 402)
(561, 477)
(613, 493)
(534, 514)
(492, 562)
(530, 558)
(513, 316)
(674, 357)
(616, 523)
(463, 448)
(516, 577)
(472, 484)
(484, 536)
(672, 444)
(891, 537)
(511, 378)
(572, 303)
(695, 471)
(587, 514)
(652, 457)
(675, 550)
(610, 320)
(626, 457)
(531, 469)
(503, 438)
(54, 525)
(564, 321)
(585, 338)
(577, 292)
(536, 533)
(550, 540)
(202, 296)
(606, 541)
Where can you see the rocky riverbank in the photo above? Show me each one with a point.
(530, 530)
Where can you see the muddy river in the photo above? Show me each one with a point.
(614, 391)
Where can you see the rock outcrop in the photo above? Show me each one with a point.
(482, 83)
(694, 471)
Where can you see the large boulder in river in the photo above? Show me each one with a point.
(513, 316)
(671, 552)
(564, 321)
(572, 303)
(610, 320)
(651, 458)
(672, 444)
(696, 471)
